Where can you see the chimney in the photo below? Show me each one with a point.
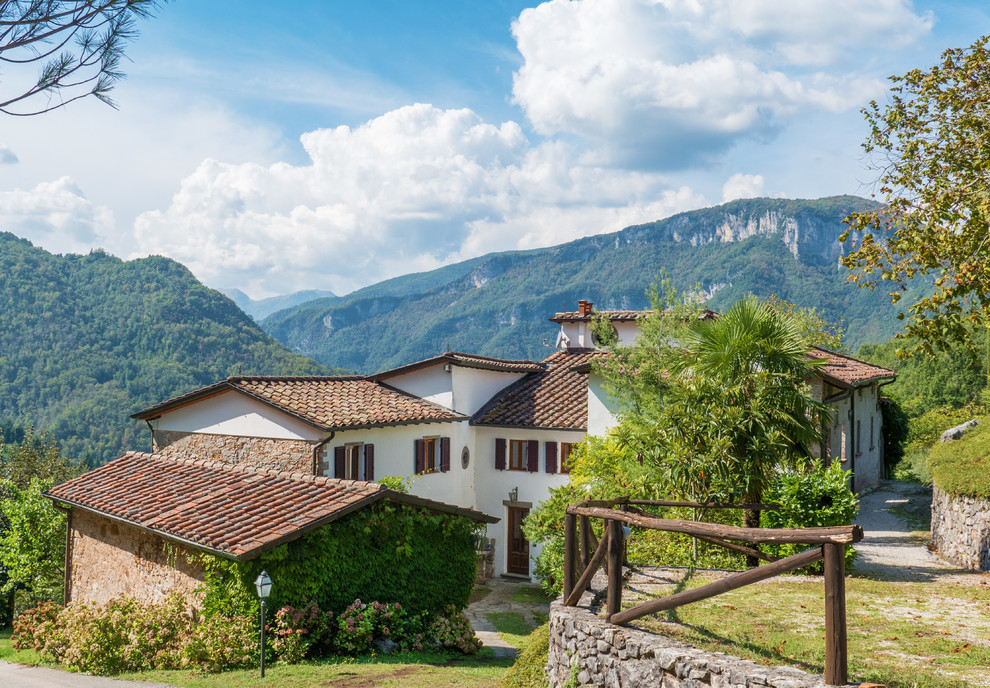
(584, 307)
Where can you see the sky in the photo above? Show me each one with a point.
(317, 144)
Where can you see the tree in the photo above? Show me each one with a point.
(32, 548)
(931, 145)
(79, 44)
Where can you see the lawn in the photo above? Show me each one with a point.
(420, 670)
(899, 634)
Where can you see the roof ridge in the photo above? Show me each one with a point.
(294, 378)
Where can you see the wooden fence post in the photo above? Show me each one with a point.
(570, 545)
(586, 547)
(614, 598)
(835, 614)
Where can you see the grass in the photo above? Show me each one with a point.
(479, 593)
(414, 670)
(530, 594)
(511, 626)
(899, 634)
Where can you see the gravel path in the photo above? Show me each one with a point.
(20, 676)
(891, 549)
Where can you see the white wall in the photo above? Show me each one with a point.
(431, 383)
(602, 409)
(233, 413)
(866, 460)
(493, 486)
(576, 334)
(474, 387)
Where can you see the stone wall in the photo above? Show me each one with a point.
(961, 529)
(486, 567)
(584, 647)
(109, 559)
(280, 455)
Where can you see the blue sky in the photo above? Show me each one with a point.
(281, 146)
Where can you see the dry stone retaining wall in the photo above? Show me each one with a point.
(280, 455)
(961, 529)
(585, 650)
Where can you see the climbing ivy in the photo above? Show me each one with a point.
(387, 553)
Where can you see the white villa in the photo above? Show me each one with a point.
(487, 434)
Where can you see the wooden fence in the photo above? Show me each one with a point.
(583, 552)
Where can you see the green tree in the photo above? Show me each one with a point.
(931, 145)
(32, 548)
(79, 42)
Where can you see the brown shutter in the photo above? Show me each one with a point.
(551, 449)
(533, 455)
(444, 454)
(338, 462)
(419, 455)
(499, 454)
(369, 462)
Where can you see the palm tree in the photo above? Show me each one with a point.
(752, 366)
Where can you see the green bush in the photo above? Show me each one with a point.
(530, 668)
(452, 631)
(300, 632)
(963, 466)
(813, 498)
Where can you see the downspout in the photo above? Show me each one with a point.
(316, 451)
(152, 430)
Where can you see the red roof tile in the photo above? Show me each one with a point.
(553, 398)
(848, 370)
(330, 403)
(614, 316)
(465, 361)
(238, 511)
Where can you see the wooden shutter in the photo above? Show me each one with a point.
(444, 454)
(419, 454)
(369, 462)
(551, 449)
(533, 455)
(338, 462)
(499, 454)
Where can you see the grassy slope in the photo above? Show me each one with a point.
(963, 466)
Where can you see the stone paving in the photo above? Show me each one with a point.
(500, 600)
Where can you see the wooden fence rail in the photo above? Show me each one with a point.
(587, 555)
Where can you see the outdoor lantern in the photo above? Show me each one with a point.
(514, 494)
(264, 586)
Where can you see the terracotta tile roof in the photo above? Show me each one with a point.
(848, 370)
(329, 403)
(553, 398)
(465, 361)
(614, 316)
(238, 511)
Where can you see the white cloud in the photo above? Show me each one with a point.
(410, 190)
(667, 83)
(55, 215)
(742, 185)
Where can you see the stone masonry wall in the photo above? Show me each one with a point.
(111, 559)
(961, 529)
(584, 647)
(280, 455)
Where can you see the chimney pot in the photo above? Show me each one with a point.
(584, 307)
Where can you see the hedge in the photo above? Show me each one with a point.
(963, 466)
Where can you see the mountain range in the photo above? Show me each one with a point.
(498, 304)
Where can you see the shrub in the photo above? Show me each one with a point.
(355, 629)
(813, 498)
(220, 643)
(530, 669)
(453, 631)
(301, 632)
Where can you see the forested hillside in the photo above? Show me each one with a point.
(499, 304)
(86, 340)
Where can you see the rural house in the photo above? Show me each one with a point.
(487, 434)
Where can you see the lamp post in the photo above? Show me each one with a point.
(264, 586)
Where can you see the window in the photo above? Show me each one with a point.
(872, 431)
(565, 456)
(523, 455)
(431, 454)
(517, 455)
(354, 462)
